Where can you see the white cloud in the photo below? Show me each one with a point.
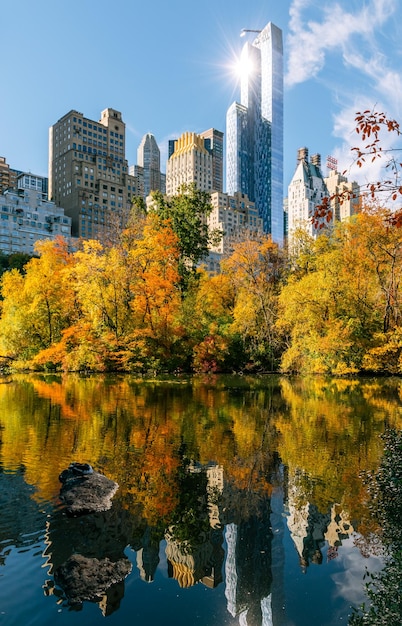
(310, 40)
(363, 72)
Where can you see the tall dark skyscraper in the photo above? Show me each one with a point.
(254, 130)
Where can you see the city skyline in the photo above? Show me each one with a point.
(171, 70)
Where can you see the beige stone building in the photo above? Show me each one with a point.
(88, 172)
(189, 163)
(346, 200)
(236, 217)
(8, 176)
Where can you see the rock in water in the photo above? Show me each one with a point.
(85, 491)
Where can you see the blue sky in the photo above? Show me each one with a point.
(169, 68)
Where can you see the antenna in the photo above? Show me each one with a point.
(248, 30)
(332, 163)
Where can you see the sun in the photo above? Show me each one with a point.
(245, 66)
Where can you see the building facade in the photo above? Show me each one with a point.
(147, 171)
(254, 130)
(189, 162)
(213, 142)
(305, 192)
(236, 217)
(88, 172)
(196, 159)
(345, 196)
(8, 176)
(149, 160)
(26, 216)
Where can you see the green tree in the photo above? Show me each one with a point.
(187, 213)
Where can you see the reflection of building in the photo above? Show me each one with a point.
(148, 557)
(311, 530)
(248, 571)
(214, 490)
(254, 130)
(199, 557)
(201, 563)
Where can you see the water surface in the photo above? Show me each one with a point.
(240, 499)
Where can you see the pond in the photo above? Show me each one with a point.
(240, 499)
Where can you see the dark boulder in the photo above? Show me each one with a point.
(85, 491)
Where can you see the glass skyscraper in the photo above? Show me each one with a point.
(254, 130)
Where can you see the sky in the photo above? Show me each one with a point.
(169, 68)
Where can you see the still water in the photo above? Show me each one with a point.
(240, 499)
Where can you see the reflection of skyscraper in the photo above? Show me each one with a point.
(248, 570)
(254, 129)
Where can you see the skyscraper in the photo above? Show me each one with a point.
(148, 157)
(254, 130)
(213, 141)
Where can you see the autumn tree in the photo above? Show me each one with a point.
(255, 270)
(16, 260)
(208, 310)
(370, 128)
(38, 304)
(344, 308)
(129, 294)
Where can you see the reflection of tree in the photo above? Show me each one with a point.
(190, 520)
(384, 589)
(330, 434)
(142, 433)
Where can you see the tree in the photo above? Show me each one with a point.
(188, 213)
(255, 270)
(384, 589)
(329, 314)
(16, 260)
(369, 126)
(128, 295)
(38, 305)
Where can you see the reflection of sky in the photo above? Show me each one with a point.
(328, 590)
(349, 583)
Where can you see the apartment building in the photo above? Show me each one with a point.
(88, 172)
(26, 217)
